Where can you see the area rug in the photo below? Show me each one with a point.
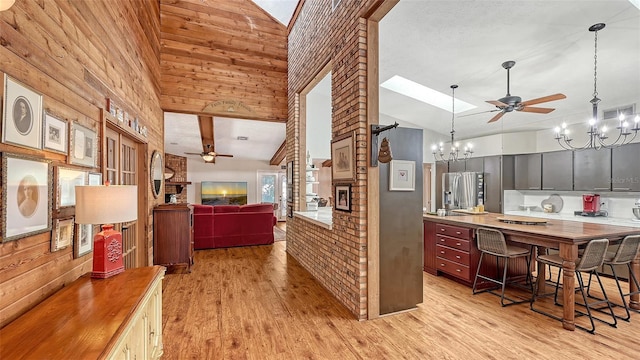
(279, 234)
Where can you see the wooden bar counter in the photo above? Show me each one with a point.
(559, 234)
(118, 317)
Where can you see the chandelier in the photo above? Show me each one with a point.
(454, 152)
(597, 135)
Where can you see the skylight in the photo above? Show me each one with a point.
(422, 93)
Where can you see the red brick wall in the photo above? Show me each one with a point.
(179, 165)
(337, 258)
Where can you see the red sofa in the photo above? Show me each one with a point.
(232, 225)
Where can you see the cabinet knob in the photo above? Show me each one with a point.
(458, 244)
(442, 230)
(458, 233)
(441, 240)
(441, 252)
(441, 264)
(458, 270)
(457, 256)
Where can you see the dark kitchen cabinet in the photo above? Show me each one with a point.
(457, 166)
(493, 184)
(625, 168)
(557, 170)
(527, 171)
(592, 170)
(475, 164)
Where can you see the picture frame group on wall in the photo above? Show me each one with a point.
(343, 159)
(62, 234)
(21, 115)
(26, 196)
(55, 134)
(66, 181)
(402, 175)
(343, 197)
(83, 146)
(94, 179)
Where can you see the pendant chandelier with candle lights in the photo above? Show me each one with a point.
(454, 152)
(598, 135)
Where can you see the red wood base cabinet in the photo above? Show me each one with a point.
(173, 236)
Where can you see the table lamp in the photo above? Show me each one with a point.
(106, 205)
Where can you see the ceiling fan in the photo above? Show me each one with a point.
(510, 103)
(209, 156)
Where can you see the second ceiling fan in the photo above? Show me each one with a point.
(510, 103)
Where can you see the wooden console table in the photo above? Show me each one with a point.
(115, 318)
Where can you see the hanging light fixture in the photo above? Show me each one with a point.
(454, 153)
(598, 135)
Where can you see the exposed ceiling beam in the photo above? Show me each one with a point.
(205, 123)
(279, 154)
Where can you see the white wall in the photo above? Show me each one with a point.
(319, 120)
(225, 169)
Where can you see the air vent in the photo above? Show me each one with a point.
(614, 113)
(243, 138)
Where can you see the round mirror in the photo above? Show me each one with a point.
(157, 173)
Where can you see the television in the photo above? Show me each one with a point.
(223, 192)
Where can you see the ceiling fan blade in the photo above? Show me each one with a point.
(497, 103)
(481, 112)
(537, 110)
(544, 99)
(192, 153)
(497, 117)
(223, 155)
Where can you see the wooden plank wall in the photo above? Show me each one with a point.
(76, 53)
(223, 58)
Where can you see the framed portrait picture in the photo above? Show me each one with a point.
(343, 168)
(402, 175)
(343, 197)
(55, 134)
(290, 173)
(83, 146)
(62, 234)
(84, 240)
(21, 115)
(95, 179)
(66, 182)
(26, 196)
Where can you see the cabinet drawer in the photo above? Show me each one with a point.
(453, 268)
(463, 245)
(454, 231)
(457, 256)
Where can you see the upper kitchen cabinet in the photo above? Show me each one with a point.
(493, 184)
(625, 168)
(527, 169)
(557, 170)
(457, 166)
(592, 170)
(475, 164)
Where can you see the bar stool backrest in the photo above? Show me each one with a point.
(593, 255)
(628, 250)
(491, 241)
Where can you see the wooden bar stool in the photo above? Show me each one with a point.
(492, 242)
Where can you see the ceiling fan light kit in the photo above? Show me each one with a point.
(209, 155)
(454, 153)
(596, 134)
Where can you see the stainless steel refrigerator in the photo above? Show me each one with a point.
(462, 190)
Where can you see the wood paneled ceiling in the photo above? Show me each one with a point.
(223, 58)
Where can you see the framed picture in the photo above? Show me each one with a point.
(84, 240)
(95, 179)
(22, 115)
(402, 175)
(289, 193)
(26, 196)
(55, 134)
(343, 166)
(290, 173)
(66, 181)
(343, 197)
(62, 234)
(223, 193)
(289, 211)
(83, 146)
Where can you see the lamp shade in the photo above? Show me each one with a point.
(106, 204)
(6, 4)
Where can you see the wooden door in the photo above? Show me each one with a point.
(122, 168)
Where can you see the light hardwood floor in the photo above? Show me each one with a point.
(259, 303)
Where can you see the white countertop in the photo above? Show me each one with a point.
(323, 217)
(597, 219)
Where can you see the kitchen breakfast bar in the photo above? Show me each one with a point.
(455, 235)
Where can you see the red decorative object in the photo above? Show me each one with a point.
(107, 253)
